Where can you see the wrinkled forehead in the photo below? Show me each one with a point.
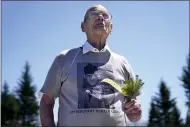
(99, 8)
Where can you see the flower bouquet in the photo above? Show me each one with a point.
(131, 89)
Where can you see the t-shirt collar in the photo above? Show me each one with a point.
(87, 47)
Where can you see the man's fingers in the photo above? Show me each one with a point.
(129, 104)
(135, 107)
(136, 110)
(130, 108)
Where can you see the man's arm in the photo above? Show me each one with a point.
(51, 90)
(46, 111)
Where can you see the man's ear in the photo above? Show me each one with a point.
(111, 27)
(82, 26)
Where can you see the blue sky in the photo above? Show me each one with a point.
(152, 36)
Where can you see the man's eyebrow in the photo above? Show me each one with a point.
(95, 9)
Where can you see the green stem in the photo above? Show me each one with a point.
(127, 99)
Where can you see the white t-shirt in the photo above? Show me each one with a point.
(75, 78)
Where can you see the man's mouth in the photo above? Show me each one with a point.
(99, 25)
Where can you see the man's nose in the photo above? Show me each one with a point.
(100, 17)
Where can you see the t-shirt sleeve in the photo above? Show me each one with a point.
(128, 71)
(51, 86)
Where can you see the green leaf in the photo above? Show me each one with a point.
(132, 88)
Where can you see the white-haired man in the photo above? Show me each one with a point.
(75, 78)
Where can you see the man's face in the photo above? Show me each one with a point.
(97, 21)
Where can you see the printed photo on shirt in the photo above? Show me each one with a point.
(92, 93)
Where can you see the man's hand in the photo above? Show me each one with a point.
(133, 110)
(46, 111)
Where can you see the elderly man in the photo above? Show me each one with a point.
(75, 78)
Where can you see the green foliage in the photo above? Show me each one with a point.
(163, 111)
(154, 116)
(132, 88)
(187, 123)
(10, 107)
(175, 118)
(26, 95)
(185, 78)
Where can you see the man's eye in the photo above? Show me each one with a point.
(94, 14)
(106, 16)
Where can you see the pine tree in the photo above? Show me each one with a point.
(187, 124)
(5, 90)
(185, 78)
(10, 107)
(163, 108)
(26, 94)
(176, 119)
(154, 117)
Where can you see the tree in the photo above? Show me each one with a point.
(185, 78)
(154, 117)
(5, 90)
(10, 106)
(26, 95)
(175, 117)
(187, 124)
(163, 109)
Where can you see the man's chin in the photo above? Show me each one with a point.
(100, 31)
